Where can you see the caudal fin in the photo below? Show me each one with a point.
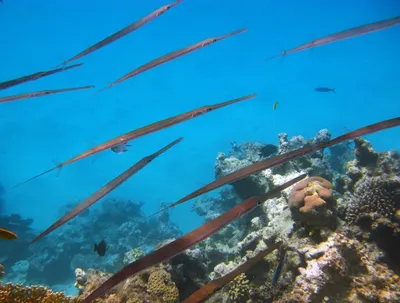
(30, 179)
(333, 90)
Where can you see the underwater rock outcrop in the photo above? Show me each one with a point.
(249, 153)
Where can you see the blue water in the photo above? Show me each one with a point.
(36, 133)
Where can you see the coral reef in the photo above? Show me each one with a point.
(355, 259)
(340, 228)
(152, 285)
(343, 270)
(249, 153)
(72, 246)
(17, 293)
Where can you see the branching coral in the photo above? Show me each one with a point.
(373, 198)
(311, 202)
(16, 293)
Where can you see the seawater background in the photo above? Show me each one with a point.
(35, 133)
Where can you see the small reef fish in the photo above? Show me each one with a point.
(145, 130)
(275, 105)
(100, 248)
(278, 270)
(188, 240)
(283, 158)
(7, 235)
(118, 149)
(325, 89)
(346, 34)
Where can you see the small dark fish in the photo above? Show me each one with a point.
(325, 89)
(100, 248)
(118, 149)
(268, 150)
(278, 270)
(275, 105)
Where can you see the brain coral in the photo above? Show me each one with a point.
(160, 284)
(311, 202)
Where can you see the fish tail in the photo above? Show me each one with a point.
(333, 90)
(37, 176)
(160, 211)
(95, 247)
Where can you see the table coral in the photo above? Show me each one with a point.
(16, 293)
(311, 202)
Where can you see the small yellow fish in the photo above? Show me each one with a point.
(275, 105)
(7, 235)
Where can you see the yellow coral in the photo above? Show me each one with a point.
(239, 288)
(16, 293)
(160, 284)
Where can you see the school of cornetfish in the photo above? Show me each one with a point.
(206, 230)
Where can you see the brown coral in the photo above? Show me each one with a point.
(16, 293)
(160, 284)
(310, 202)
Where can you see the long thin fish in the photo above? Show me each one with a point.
(350, 33)
(292, 155)
(211, 287)
(123, 32)
(173, 55)
(186, 241)
(110, 186)
(35, 76)
(42, 93)
(151, 128)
